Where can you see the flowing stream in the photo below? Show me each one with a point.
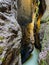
(33, 59)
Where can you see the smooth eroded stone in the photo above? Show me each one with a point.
(24, 9)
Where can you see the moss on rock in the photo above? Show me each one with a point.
(1, 50)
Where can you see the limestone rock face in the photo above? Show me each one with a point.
(5, 5)
(10, 36)
(44, 54)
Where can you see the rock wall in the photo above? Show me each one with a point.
(44, 54)
(10, 36)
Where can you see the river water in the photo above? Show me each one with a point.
(33, 59)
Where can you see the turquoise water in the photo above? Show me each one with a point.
(33, 60)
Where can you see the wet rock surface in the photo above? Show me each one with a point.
(10, 37)
(44, 54)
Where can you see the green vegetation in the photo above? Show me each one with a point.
(2, 59)
(45, 20)
(1, 50)
(1, 37)
(43, 62)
